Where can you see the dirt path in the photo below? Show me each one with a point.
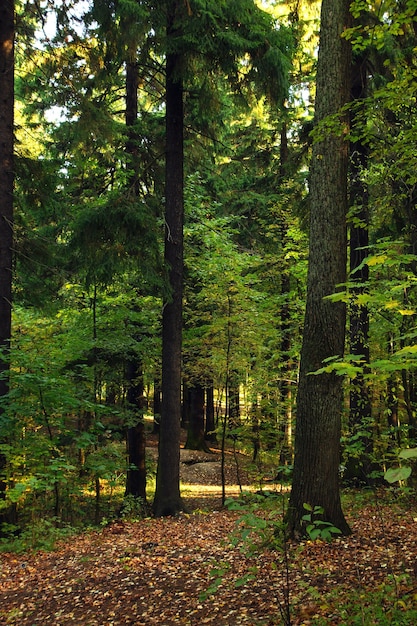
(201, 478)
(200, 474)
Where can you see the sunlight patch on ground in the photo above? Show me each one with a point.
(214, 489)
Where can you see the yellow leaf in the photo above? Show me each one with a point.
(377, 259)
(392, 305)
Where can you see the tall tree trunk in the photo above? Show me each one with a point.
(320, 397)
(136, 441)
(167, 499)
(6, 204)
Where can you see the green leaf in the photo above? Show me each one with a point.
(394, 474)
(315, 533)
(408, 453)
(240, 582)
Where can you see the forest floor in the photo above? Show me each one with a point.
(158, 571)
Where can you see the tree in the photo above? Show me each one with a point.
(136, 438)
(237, 29)
(320, 395)
(167, 500)
(6, 202)
(102, 251)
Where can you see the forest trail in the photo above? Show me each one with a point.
(154, 571)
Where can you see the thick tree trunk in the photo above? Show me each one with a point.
(320, 397)
(167, 499)
(6, 202)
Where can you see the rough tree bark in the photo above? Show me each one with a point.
(167, 500)
(320, 397)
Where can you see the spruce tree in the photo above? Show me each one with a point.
(202, 35)
(167, 499)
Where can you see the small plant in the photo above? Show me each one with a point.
(316, 527)
(216, 578)
(261, 526)
(379, 605)
(403, 472)
(40, 535)
(134, 508)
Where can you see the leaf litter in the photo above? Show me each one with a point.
(157, 571)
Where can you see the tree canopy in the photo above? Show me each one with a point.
(195, 157)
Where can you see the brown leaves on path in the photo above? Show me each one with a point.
(149, 572)
(153, 572)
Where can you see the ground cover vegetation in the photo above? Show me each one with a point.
(208, 246)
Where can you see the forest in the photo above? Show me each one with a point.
(208, 358)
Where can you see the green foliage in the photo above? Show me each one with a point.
(63, 437)
(134, 508)
(402, 473)
(395, 474)
(389, 299)
(216, 578)
(240, 40)
(111, 236)
(378, 605)
(316, 526)
(260, 525)
(43, 534)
